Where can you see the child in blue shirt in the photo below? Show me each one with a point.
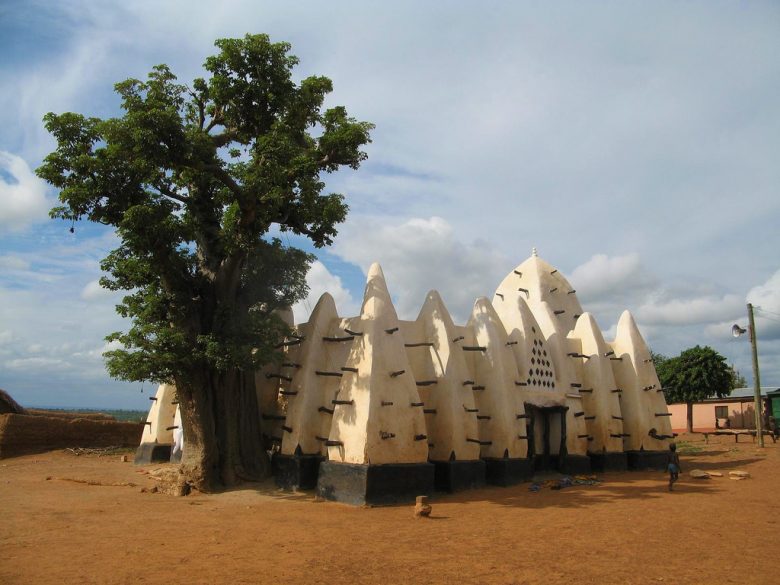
(673, 465)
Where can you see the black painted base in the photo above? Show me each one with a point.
(640, 460)
(374, 484)
(296, 472)
(608, 461)
(152, 453)
(574, 464)
(505, 472)
(455, 476)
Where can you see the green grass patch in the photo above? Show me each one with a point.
(686, 448)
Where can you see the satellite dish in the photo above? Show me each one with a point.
(736, 331)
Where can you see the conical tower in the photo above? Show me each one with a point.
(646, 419)
(554, 305)
(316, 376)
(502, 430)
(377, 446)
(600, 396)
(157, 438)
(548, 383)
(443, 381)
(537, 282)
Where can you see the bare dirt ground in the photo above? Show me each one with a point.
(629, 529)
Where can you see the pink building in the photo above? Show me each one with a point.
(734, 412)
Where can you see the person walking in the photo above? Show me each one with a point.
(673, 465)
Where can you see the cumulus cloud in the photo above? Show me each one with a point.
(320, 281)
(691, 311)
(22, 194)
(93, 291)
(36, 363)
(605, 277)
(766, 300)
(607, 285)
(9, 262)
(418, 255)
(52, 337)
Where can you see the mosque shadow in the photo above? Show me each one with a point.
(612, 486)
(645, 485)
(718, 465)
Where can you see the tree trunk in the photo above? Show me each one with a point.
(689, 416)
(222, 440)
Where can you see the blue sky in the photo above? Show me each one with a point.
(634, 144)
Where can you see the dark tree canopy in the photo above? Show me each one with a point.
(193, 178)
(696, 374)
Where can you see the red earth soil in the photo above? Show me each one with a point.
(90, 522)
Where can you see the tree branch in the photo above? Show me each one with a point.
(215, 120)
(201, 114)
(225, 138)
(172, 194)
(201, 108)
(227, 180)
(297, 226)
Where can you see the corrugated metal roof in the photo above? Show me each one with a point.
(748, 392)
(738, 394)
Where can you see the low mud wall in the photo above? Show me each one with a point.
(22, 434)
(67, 414)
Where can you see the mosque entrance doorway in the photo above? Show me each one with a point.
(546, 431)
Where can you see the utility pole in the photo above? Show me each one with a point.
(756, 376)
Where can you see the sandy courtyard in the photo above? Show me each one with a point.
(628, 529)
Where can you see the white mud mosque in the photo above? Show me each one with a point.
(372, 409)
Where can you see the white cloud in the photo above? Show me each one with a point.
(320, 281)
(605, 277)
(22, 197)
(93, 291)
(423, 254)
(36, 363)
(766, 301)
(691, 311)
(9, 262)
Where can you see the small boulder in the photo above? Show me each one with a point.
(699, 474)
(737, 474)
(422, 508)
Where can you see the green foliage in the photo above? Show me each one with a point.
(688, 448)
(193, 178)
(696, 374)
